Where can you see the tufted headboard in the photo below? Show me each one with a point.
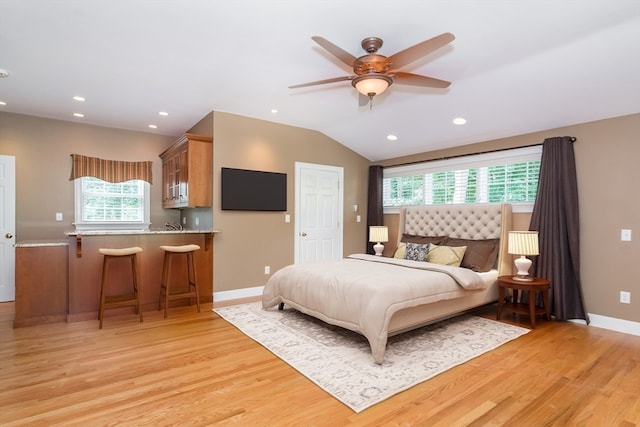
(477, 221)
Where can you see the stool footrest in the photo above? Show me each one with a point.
(120, 300)
(182, 294)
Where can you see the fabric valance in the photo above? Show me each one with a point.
(110, 170)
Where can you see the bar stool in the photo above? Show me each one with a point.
(191, 290)
(122, 300)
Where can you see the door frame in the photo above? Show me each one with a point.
(8, 227)
(340, 214)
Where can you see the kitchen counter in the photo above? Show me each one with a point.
(59, 279)
(40, 243)
(85, 267)
(41, 282)
(117, 232)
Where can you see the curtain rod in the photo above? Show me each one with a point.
(571, 138)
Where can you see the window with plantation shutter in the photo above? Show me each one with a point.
(509, 176)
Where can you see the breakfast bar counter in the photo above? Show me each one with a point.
(85, 267)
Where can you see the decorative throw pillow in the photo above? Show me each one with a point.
(401, 251)
(446, 255)
(417, 252)
(480, 256)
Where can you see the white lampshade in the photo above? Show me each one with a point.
(377, 234)
(523, 243)
(371, 85)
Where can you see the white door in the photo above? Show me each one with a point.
(318, 217)
(7, 228)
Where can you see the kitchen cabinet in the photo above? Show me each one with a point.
(187, 172)
(41, 282)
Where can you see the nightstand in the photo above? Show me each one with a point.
(531, 286)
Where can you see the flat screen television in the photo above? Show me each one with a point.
(250, 190)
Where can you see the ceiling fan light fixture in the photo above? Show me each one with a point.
(371, 84)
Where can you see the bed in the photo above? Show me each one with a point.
(381, 296)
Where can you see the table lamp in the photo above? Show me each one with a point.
(378, 234)
(523, 243)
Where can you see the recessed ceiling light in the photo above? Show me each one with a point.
(78, 115)
(391, 137)
(274, 111)
(153, 126)
(78, 98)
(459, 121)
(3, 103)
(163, 113)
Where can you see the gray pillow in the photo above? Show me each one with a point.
(417, 252)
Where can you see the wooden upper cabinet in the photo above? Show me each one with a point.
(187, 172)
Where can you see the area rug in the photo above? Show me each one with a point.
(340, 361)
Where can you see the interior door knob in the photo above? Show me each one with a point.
(8, 236)
(303, 234)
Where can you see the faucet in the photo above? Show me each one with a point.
(175, 226)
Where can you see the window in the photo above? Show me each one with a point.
(509, 176)
(102, 205)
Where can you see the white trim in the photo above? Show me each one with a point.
(598, 321)
(614, 324)
(119, 225)
(237, 294)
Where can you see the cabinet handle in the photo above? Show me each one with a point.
(9, 236)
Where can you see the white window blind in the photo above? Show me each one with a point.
(505, 176)
(105, 205)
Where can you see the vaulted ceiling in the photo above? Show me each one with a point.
(515, 66)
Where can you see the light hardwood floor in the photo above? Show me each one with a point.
(196, 369)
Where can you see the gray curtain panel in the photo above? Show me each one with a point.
(556, 218)
(375, 214)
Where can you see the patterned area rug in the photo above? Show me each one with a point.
(340, 361)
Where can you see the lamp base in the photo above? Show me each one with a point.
(526, 278)
(522, 264)
(378, 248)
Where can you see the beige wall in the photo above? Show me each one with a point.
(252, 240)
(42, 148)
(607, 155)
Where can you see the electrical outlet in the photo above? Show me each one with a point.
(58, 216)
(184, 219)
(625, 297)
(197, 221)
(267, 269)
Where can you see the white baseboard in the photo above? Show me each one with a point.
(237, 294)
(605, 322)
(614, 324)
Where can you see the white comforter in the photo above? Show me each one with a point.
(362, 292)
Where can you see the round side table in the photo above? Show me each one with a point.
(532, 286)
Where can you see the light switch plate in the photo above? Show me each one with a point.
(625, 235)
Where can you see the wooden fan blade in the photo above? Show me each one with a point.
(418, 80)
(419, 50)
(336, 51)
(321, 82)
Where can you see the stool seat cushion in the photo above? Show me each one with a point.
(183, 248)
(120, 252)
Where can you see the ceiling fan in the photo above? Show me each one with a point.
(374, 73)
